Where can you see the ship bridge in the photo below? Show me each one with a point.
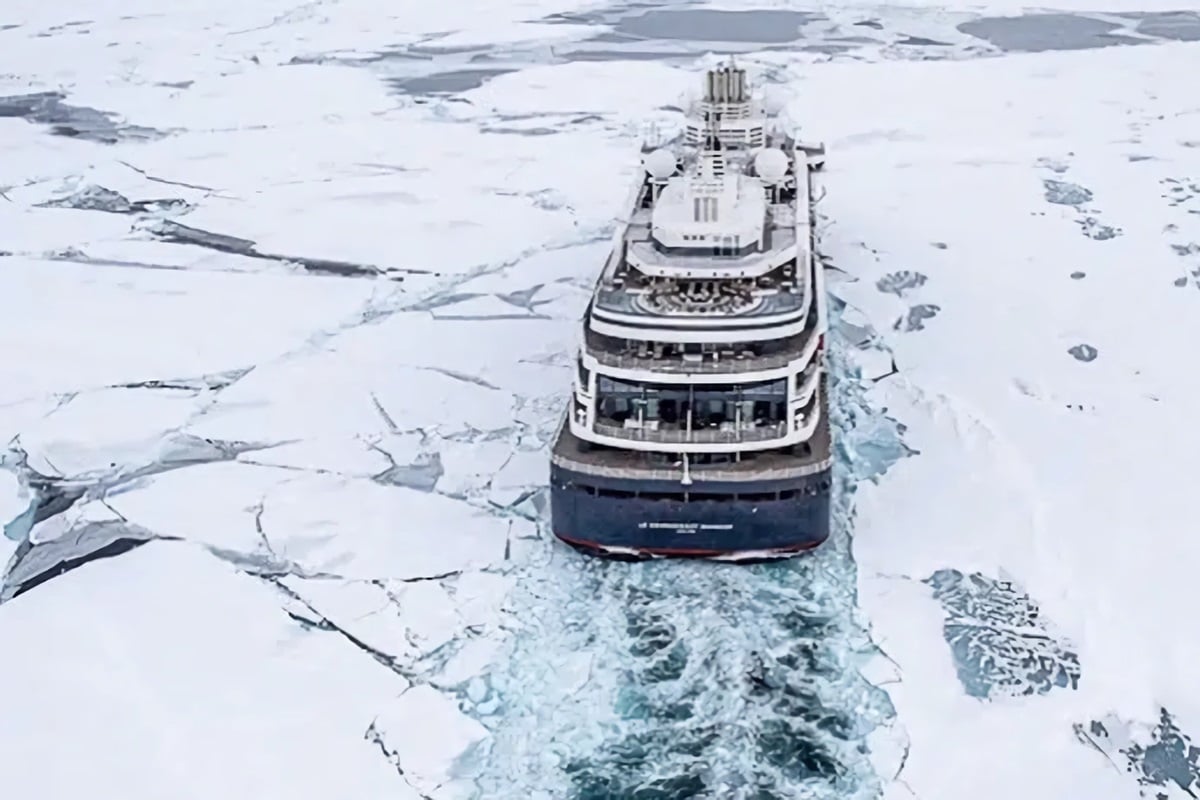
(711, 210)
(728, 110)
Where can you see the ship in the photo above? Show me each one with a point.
(697, 424)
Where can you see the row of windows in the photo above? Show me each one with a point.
(710, 497)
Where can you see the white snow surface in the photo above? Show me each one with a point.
(336, 472)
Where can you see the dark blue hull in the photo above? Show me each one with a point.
(705, 519)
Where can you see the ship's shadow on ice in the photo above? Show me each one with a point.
(683, 679)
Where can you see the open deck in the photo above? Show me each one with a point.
(732, 358)
(573, 453)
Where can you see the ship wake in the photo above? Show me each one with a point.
(672, 679)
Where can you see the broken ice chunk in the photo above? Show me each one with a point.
(427, 733)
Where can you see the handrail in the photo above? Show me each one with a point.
(707, 365)
(696, 436)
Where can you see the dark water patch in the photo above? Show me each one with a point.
(49, 500)
(999, 642)
(53, 498)
(870, 23)
(79, 122)
(582, 54)
(609, 13)
(1083, 352)
(898, 283)
(1177, 26)
(520, 131)
(615, 38)
(353, 59)
(1180, 191)
(433, 51)
(170, 231)
(1161, 757)
(422, 474)
(1037, 33)
(1170, 758)
(1065, 194)
(36, 564)
(914, 319)
(523, 298)
(1095, 229)
(98, 198)
(825, 48)
(441, 83)
(709, 25)
(921, 41)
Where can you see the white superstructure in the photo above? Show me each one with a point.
(704, 337)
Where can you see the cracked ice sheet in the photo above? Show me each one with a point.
(76, 327)
(197, 665)
(1063, 476)
(320, 523)
(359, 529)
(95, 431)
(415, 366)
(340, 144)
(353, 165)
(143, 42)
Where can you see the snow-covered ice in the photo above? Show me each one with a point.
(291, 290)
(1049, 488)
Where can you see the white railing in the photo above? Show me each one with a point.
(674, 435)
(684, 364)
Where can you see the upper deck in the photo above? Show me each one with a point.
(732, 254)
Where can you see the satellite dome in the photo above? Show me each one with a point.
(660, 163)
(771, 164)
(774, 100)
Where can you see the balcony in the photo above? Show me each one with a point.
(726, 433)
(652, 357)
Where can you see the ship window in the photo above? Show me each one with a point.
(707, 497)
(787, 494)
(661, 496)
(697, 407)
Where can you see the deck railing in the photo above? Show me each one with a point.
(705, 365)
(673, 435)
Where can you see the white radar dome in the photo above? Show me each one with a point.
(771, 164)
(774, 100)
(660, 163)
